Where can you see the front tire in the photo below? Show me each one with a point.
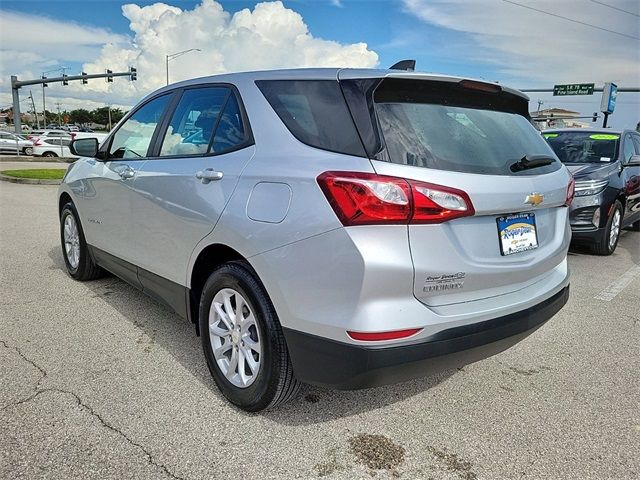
(243, 341)
(76, 255)
(28, 150)
(609, 240)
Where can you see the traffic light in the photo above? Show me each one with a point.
(133, 74)
(64, 79)
(109, 76)
(84, 80)
(44, 84)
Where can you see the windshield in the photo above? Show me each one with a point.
(584, 147)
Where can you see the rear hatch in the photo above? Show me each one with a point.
(475, 138)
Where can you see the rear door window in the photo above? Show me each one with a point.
(444, 127)
(315, 113)
(584, 147)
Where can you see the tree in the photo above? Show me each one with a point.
(80, 116)
(101, 115)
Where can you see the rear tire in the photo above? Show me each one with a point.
(49, 154)
(635, 226)
(238, 320)
(609, 241)
(75, 251)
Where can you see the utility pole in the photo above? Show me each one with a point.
(35, 112)
(109, 110)
(540, 103)
(59, 119)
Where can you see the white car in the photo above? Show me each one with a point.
(53, 147)
(10, 142)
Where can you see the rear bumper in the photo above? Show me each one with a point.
(321, 361)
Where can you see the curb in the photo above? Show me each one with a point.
(26, 159)
(30, 181)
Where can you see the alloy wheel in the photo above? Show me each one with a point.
(615, 229)
(71, 241)
(235, 337)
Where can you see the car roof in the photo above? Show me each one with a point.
(330, 74)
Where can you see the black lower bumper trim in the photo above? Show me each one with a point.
(321, 361)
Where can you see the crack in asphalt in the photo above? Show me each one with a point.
(85, 407)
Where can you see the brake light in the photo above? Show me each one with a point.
(370, 199)
(482, 86)
(381, 336)
(571, 191)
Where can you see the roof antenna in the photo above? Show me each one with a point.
(408, 65)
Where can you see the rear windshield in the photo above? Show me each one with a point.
(315, 112)
(584, 147)
(427, 124)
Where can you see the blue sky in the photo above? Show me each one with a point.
(490, 39)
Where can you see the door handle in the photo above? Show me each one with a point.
(127, 173)
(209, 175)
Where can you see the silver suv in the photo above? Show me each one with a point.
(347, 228)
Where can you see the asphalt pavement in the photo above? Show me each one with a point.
(97, 381)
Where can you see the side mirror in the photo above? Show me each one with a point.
(84, 147)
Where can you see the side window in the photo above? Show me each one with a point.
(629, 149)
(636, 141)
(193, 121)
(134, 136)
(230, 132)
(315, 112)
(65, 142)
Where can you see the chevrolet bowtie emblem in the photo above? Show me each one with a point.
(534, 199)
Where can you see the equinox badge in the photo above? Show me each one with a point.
(534, 199)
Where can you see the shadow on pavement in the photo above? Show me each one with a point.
(165, 329)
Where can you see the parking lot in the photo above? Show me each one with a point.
(99, 381)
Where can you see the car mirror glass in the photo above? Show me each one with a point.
(84, 147)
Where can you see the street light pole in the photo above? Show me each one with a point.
(176, 55)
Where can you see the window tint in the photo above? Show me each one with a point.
(193, 121)
(628, 149)
(134, 136)
(636, 141)
(230, 132)
(315, 112)
(65, 142)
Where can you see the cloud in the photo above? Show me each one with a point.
(532, 48)
(268, 36)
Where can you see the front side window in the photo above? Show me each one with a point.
(193, 122)
(134, 136)
(629, 151)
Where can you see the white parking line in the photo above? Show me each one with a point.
(613, 289)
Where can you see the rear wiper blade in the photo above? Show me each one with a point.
(531, 161)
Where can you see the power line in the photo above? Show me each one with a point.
(615, 8)
(572, 20)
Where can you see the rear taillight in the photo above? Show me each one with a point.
(381, 336)
(571, 191)
(370, 199)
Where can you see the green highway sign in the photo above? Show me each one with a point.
(573, 89)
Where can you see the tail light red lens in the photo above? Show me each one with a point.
(571, 191)
(381, 336)
(370, 199)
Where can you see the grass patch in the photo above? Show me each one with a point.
(37, 173)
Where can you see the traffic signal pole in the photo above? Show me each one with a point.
(64, 79)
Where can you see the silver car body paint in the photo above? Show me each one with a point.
(323, 278)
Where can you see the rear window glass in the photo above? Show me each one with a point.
(448, 128)
(584, 147)
(315, 112)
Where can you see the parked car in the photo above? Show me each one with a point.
(606, 166)
(49, 133)
(347, 228)
(53, 147)
(10, 142)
